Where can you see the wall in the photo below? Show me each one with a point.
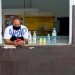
(43, 25)
(58, 7)
(11, 4)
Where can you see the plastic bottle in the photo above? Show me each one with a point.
(54, 36)
(29, 38)
(44, 41)
(48, 39)
(34, 37)
(41, 41)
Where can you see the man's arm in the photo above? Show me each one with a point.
(7, 36)
(9, 42)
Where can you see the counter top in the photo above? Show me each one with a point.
(38, 60)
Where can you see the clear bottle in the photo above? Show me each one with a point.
(34, 37)
(29, 38)
(48, 39)
(54, 34)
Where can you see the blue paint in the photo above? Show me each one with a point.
(23, 31)
(10, 32)
(18, 33)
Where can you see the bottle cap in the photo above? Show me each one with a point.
(54, 28)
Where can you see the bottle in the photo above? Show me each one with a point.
(29, 38)
(48, 39)
(41, 41)
(44, 41)
(34, 37)
(54, 36)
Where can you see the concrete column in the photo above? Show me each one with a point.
(70, 21)
(73, 23)
(0, 22)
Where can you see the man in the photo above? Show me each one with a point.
(16, 34)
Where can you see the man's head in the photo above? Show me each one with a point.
(16, 21)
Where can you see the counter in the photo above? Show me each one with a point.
(38, 60)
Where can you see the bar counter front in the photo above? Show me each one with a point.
(38, 60)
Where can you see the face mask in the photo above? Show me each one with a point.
(16, 28)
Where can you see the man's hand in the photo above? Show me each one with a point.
(15, 43)
(21, 43)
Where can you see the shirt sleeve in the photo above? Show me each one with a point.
(6, 34)
(25, 33)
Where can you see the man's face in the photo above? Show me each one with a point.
(16, 23)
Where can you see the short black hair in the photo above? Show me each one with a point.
(15, 18)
